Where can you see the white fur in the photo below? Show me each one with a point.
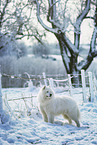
(50, 106)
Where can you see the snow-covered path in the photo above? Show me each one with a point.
(32, 130)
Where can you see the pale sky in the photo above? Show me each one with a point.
(86, 32)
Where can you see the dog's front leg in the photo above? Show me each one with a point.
(50, 118)
(44, 115)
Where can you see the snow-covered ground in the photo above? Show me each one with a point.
(23, 129)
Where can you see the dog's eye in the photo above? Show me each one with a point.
(47, 91)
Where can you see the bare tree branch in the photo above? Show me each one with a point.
(93, 40)
(71, 47)
(83, 14)
(89, 17)
(3, 12)
(79, 20)
(86, 62)
(41, 22)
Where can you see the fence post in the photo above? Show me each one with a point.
(51, 83)
(83, 85)
(1, 104)
(70, 84)
(95, 86)
(91, 99)
(44, 77)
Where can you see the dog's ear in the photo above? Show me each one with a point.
(44, 87)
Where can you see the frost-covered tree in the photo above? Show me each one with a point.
(17, 22)
(60, 16)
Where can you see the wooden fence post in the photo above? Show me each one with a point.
(95, 86)
(51, 83)
(1, 104)
(44, 77)
(91, 99)
(70, 84)
(83, 85)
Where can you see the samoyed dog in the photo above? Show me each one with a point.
(51, 106)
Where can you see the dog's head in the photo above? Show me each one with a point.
(47, 92)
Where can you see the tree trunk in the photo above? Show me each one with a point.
(69, 58)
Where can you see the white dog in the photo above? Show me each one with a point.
(51, 106)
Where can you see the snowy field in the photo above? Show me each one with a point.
(26, 126)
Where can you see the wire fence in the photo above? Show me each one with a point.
(88, 82)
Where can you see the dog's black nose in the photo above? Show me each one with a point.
(50, 95)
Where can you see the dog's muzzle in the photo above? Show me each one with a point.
(49, 96)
